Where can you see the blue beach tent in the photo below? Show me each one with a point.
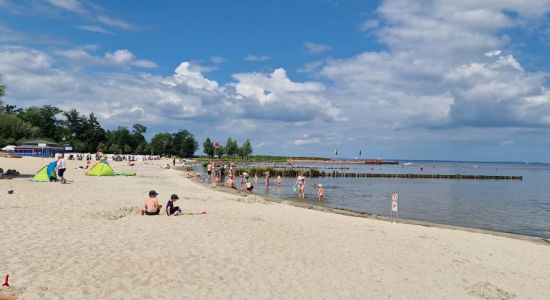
(46, 174)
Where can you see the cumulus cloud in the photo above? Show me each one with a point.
(276, 97)
(446, 66)
(252, 57)
(124, 57)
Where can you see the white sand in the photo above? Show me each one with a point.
(84, 240)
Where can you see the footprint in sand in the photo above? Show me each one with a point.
(487, 290)
(115, 214)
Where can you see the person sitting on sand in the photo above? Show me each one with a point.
(172, 210)
(152, 206)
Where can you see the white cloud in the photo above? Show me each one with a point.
(251, 57)
(120, 57)
(369, 25)
(94, 28)
(274, 96)
(314, 48)
(306, 140)
(144, 64)
(69, 5)
(441, 69)
(114, 22)
(81, 8)
(124, 57)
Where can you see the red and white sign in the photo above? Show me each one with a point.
(394, 202)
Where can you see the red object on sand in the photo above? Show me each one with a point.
(6, 280)
(204, 213)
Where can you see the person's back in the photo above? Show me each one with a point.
(152, 206)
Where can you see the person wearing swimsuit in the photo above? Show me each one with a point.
(301, 185)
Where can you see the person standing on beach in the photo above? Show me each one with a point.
(61, 167)
(320, 192)
(222, 172)
(267, 175)
(301, 185)
(278, 179)
(209, 170)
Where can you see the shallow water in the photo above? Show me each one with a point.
(516, 206)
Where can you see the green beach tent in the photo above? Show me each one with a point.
(101, 169)
(46, 174)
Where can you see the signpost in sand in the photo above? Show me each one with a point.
(395, 205)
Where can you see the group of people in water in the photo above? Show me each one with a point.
(219, 177)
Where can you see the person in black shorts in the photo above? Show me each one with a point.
(152, 206)
(172, 210)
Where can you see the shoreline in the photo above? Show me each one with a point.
(372, 216)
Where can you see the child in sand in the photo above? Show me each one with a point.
(152, 206)
(172, 210)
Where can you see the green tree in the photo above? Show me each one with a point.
(161, 144)
(94, 134)
(231, 147)
(122, 138)
(184, 143)
(138, 132)
(12, 129)
(2, 92)
(246, 149)
(44, 118)
(207, 147)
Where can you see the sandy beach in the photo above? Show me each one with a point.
(85, 240)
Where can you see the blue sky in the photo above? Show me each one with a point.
(455, 80)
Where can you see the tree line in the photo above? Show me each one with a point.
(231, 148)
(85, 134)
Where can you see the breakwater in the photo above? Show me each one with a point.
(335, 174)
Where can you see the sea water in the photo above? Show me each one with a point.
(516, 206)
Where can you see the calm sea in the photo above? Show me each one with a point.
(516, 206)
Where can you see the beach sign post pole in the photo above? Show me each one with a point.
(395, 205)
